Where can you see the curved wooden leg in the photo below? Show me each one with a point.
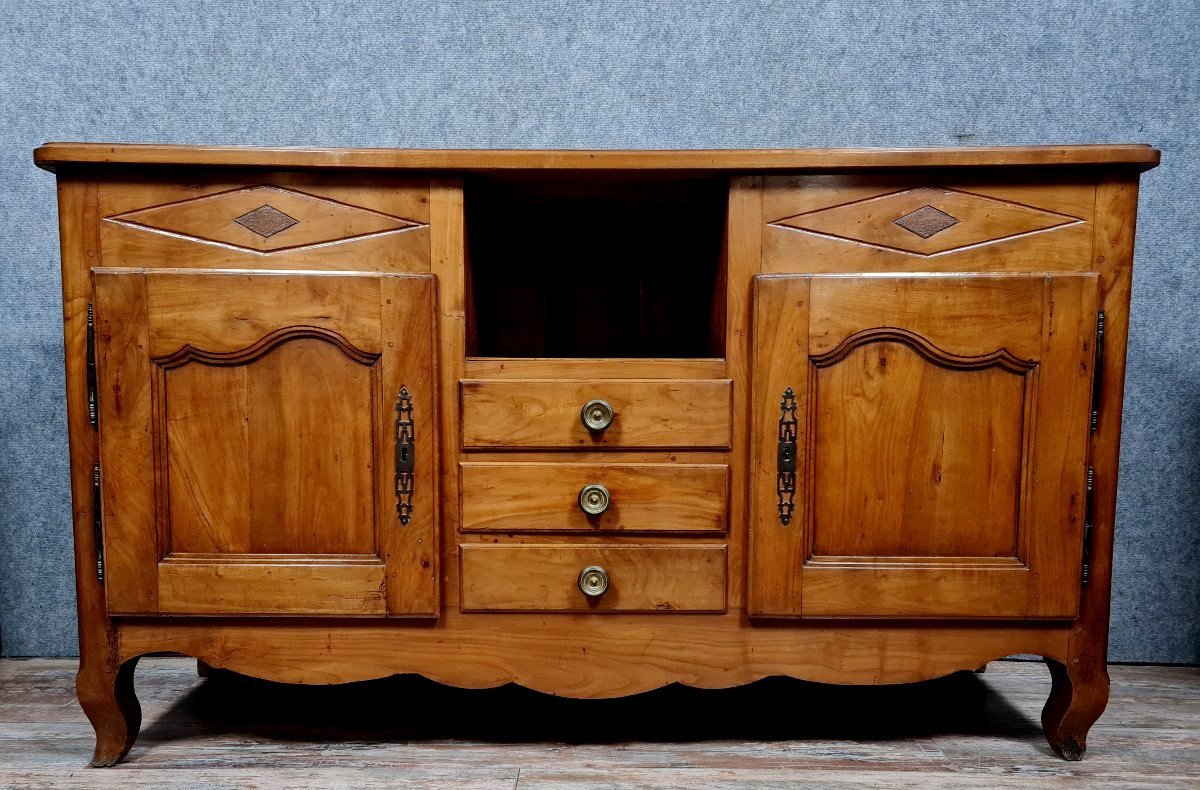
(1077, 698)
(108, 699)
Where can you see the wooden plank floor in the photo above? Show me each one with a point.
(965, 731)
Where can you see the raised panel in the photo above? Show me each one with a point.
(914, 459)
(247, 441)
(274, 456)
(940, 444)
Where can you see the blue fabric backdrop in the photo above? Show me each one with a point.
(548, 73)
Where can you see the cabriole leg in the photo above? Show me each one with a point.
(108, 699)
(1077, 698)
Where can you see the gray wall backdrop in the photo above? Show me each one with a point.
(547, 73)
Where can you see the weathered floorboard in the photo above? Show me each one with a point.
(965, 731)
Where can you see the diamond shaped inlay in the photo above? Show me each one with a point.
(266, 221)
(266, 211)
(926, 221)
(923, 220)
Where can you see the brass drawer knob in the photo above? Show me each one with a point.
(596, 415)
(594, 499)
(593, 581)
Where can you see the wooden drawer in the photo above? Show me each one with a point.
(545, 578)
(641, 497)
(529, 413)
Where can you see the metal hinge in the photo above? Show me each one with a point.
(93, 416)
(97, 524)
(1098, 371)
(1088, 511)
(405, 455)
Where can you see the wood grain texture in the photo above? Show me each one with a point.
(924, 474)
(544, 497)
(103, 685)
(927, 221)
(294, 219)
(1081, 684)
(278, 443)
(546, 578)
(55, 155)
(599, 368)
(1006, 222)
(587, 656)
(504, 413)
(449, 267)
(881, 424)
(182, 311)
(408, 314)
(344, 586)
(128, 453)
(355, 221)
(228, 431)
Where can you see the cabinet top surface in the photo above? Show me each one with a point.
(51, 155)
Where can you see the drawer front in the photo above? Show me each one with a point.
(638, 578)
(548, 414)
(594, 497)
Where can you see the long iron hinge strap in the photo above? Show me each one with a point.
(93, 416)
(405, 455)
(1098, 372)
(97, 524)
(1088, 511)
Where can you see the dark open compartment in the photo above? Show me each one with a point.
(596, 265)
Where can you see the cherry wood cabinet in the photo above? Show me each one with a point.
(594, 422)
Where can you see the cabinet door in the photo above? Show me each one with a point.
(249, 442)
(920, 444)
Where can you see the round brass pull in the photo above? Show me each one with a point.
(596, 415)
(593, 581)
(594, 499)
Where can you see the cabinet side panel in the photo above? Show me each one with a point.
(1116, 211)
(79, 247)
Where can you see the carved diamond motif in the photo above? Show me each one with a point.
(926, 221)
(932, 220)
(266, 211)
(266, 221)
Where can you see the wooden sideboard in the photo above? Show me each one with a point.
(594, 422)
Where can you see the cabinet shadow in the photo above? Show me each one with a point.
(413, 709)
